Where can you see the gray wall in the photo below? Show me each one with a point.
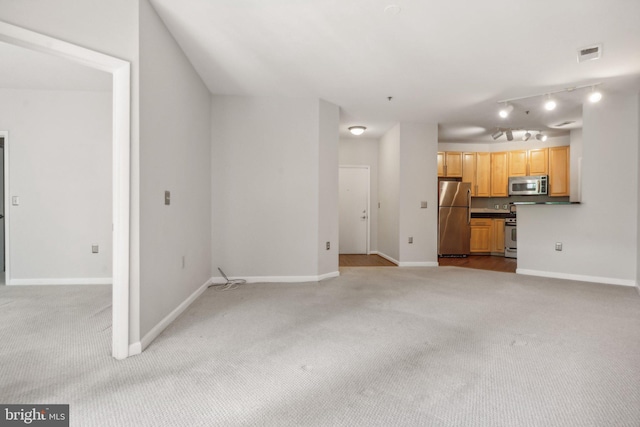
(174, 155)
(389, 194)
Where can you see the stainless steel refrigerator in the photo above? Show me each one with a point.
(454, 218)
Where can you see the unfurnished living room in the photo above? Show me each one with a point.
(185, 186)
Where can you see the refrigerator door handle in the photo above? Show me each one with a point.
(469, 206)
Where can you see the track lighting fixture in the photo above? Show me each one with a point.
(526, 136)
(595, 95)
(541, 137)
(497, 134)
(504, 112)
(509, 135)
(550, 104)
(357, 130)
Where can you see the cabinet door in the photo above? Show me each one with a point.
(469, 170)
(539, 161)
(497, 244)
(483, 174)
(499, 175)
(453, 161)
(440, 163)
(518, 163)
(480, 235)
(559, 171)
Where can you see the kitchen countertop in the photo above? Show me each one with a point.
(544, 203)
(491, 213)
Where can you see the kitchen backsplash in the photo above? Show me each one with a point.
(490, 202)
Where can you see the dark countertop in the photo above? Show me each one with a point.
(546, 203)
(492, 215)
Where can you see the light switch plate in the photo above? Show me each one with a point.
(558, 246)
(423, 205)
(95, 249)
(167, 197)
(15, 201)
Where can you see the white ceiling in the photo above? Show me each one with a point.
(441, 61)
(26, 69)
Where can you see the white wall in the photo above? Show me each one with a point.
(364, 152)
(175, 155)
(389, 194)
(60, 168)
(328, 218)
(575, 165)
(266, 183)
(418, 182)
(599, 236)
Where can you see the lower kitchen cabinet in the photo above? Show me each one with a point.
(487, 236)
(481, 235)
(497, 245)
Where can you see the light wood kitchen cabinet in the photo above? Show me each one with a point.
(559, 171)
(497, 242)
(528, 162)
(450, 164)
(476, 169)
(481, 235)
(499, 174)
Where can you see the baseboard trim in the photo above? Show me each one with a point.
(71, 281)
(578, 277)
(139, 347)
(418, 264)
(279, 279)
(373, 253)
(388, 258)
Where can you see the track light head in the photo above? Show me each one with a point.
(550, 104)
(526, 136)
(504, 112)
(497, 134)
(595, 95)
(509, 135)
(541, 137)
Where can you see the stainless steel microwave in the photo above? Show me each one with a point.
(527, 185)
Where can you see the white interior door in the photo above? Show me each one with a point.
(354, 209)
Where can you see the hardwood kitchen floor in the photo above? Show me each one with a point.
(482, 262)
(363, 261)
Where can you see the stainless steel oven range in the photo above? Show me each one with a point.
(510, 238)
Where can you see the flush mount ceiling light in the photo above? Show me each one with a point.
(526, 136)
(595, 95)
(357, 130)
(504, 112)
(497, 134)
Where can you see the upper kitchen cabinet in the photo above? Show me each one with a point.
(476, 169)
(450, 164)
(559, 171)
(499, 174)
(529, 162)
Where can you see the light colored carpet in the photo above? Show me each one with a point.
(375, 347)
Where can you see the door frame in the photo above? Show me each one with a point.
(4, 134)
(368, 169)
(121, 169)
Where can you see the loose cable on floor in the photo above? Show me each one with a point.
(228, 285)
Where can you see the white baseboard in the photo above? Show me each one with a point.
(69, 281)
(278, 279)
(578, 277)
(373, 253)
(388, 258)
(138, 347)
(418, 264)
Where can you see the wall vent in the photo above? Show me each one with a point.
(590, 52)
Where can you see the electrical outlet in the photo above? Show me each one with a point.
(95, 249)
(505, 206)
(496, 206)
(410, 240)
(328, 245)
(558, 246)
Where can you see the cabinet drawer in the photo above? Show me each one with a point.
(480, 221)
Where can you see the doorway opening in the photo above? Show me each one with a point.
(120, 71)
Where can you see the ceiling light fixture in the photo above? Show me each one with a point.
(497, 134)
(357, 130)
(541, 137)
(550, 104)
(509, 135)
(504, 113)
(595, 95)
(526, 136)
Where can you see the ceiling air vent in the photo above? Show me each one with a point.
(568, 122)
(589, 53)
